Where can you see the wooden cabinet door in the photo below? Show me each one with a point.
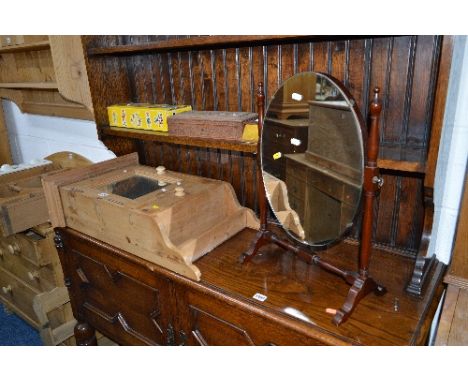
(117, 295)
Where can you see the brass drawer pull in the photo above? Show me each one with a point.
(7, 289)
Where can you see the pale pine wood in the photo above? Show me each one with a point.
(22, 267)
(446, 317)
(458, 271)
(277, 193)
(20, 41)
(38, 45)
(44, 102)
(453, 326)
(20, 298)
(67, 159)
(52, 182)
(29, 85)
(22, 200)
(23, 213)
(70, 69)
(166, 229)
(459, 329)
(28, 76)
(43, 304)
(26, 173)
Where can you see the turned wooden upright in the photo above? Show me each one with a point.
(361, 283)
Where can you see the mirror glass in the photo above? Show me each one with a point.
(313, 158)
(134, 187)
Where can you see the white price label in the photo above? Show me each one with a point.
(296, 96)
(295, 141)
(259, 297)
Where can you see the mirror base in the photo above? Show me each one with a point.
(360, 288)
(264, 237)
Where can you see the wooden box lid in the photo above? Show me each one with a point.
(210, 124)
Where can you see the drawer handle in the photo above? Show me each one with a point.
(8, 289)
(33, 276)
(14, 248)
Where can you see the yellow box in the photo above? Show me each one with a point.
(143, 116)
(250, 132)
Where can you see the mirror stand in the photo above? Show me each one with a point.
(361, 283)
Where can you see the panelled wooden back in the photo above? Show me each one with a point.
(225, 78)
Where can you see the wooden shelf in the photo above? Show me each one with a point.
(41, 45)
(400, 158)
(145, 135)
(28, 85)
(392, 158)
(190, 42)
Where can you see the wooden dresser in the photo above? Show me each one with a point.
(278, 139)
(29, 267)
(135, 302)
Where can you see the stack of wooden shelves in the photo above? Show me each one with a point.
(29, 264)
(45, 75)
(31, 276)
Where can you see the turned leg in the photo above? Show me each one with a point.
(85, 334)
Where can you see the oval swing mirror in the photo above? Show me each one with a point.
(312, 154)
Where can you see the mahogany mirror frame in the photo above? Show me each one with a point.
(360, 280)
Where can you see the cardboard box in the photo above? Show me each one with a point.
(143, 116)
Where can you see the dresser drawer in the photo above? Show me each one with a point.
(40, 278)
(31, 246)
(326, 184)
(18, 296)
(296, 170)
(298, 205)
(211, 322)
(296, 187)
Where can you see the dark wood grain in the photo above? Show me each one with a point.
(294, 313)
(189, 42)
(409, 70)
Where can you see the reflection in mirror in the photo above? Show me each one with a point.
(312, 158)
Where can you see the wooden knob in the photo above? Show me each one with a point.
(179, 191)
(14, 248)
(33, 275)
(7, 289)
